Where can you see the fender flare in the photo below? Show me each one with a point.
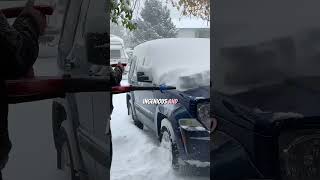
(164, 112)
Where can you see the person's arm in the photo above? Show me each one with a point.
(18, 45)
(116, 74)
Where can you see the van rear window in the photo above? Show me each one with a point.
(115, 54)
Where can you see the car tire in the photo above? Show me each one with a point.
(135, 120)
(66, 159)
(168, 142)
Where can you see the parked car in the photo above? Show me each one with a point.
(117, 50)
(80, 120)
(265, 103)
(181, 118)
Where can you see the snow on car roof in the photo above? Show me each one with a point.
(181, 62)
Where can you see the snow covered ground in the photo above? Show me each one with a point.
(137, 153)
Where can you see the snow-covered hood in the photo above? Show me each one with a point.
(199, 92)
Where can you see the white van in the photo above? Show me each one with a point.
(117, 50)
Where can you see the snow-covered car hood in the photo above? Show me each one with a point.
(199, 92)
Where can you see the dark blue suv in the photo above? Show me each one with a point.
(179, 118)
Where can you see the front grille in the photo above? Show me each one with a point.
(299, 155)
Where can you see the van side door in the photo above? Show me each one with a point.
(97, 26)
(78, 68)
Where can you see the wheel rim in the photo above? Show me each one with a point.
(166, 144)
(66, 161)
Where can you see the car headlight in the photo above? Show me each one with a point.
(203, 113)
(191, 125)
(300, 156)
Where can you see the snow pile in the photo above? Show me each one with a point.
(137, 153)
(180, 62)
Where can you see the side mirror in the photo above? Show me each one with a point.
(141, 77)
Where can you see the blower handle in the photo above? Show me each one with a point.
(15, 11)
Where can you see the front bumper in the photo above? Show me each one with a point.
(196, 146)
(229, 160)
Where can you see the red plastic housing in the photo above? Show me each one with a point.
(15, 11)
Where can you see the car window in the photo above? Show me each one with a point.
(97, 33)
(116, 53)
(69, 28)
(144, 60)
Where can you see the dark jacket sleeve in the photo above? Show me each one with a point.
(116, 77)
(18, 45)
(18, 51)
